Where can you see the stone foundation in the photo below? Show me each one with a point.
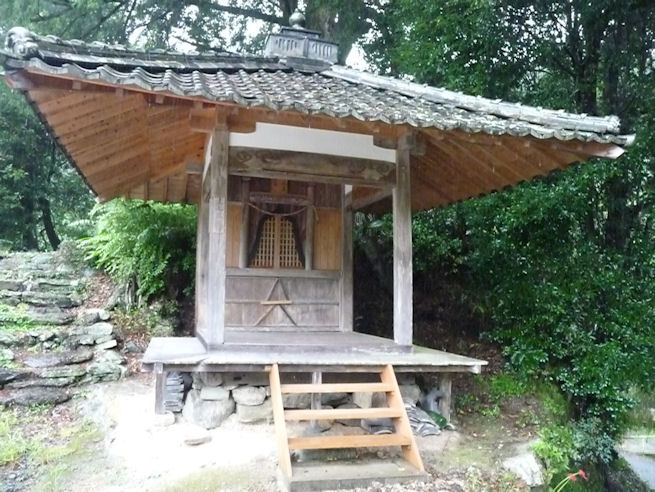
(213, 397)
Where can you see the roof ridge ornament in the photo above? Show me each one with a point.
(22, 42)
(301, 46)
(297, 20)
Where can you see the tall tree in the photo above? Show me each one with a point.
(563, 265)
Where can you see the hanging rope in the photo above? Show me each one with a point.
(285, 214)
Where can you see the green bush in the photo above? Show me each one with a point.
(147, 245)
(563, 269)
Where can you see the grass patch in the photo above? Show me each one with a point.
(30, 435)
(58, 461)
(13, 444)
(214, 479)
(15, 318)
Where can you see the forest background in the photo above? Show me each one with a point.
(562, 269)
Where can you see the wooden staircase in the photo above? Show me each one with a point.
(395, 410)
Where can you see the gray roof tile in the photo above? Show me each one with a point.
(313, 89)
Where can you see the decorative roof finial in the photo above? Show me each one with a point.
(297, 20)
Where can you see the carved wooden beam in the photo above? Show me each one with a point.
(306, 166)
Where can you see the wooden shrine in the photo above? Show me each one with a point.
(279, 151)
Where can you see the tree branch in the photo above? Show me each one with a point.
(104, 19)
(246, 12)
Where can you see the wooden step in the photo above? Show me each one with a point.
(358, 441)
(337, 388)
(338, 475)
(342, 413)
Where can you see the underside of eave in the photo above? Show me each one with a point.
(141, 144)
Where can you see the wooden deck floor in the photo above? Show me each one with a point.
(301, 352)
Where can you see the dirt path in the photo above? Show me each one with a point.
(125, 448)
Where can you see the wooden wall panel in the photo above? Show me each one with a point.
(305, 303)
(327, 240)
(234, 212)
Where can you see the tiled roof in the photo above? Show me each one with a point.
(293, 84)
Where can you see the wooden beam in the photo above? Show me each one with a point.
(402, 246)
(359, 202)
(307, 166)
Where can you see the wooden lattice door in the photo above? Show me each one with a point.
(277, 245)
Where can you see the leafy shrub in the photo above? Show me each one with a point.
(148, 245)
(556, 448)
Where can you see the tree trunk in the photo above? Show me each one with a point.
(30, 241)
(48, 225)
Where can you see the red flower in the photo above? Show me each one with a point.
(572, 477)
(582, 474)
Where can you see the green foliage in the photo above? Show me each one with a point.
(562, 267)
(150, 321)
(555, 448)
(147, 245)
(14, 318)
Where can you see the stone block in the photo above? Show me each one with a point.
(100, 329)
(527, 468)
(9, 375)
(363, 399)
(349, 422)
(59, 358)
(90, 316)
(35, 396)
(297, 400)
(8, 339)
(207, 414)
(6, 354)
(195, 435)
(249, 414)
(209, 378)
(50, 382)
(410, 392)
(72, 371)
(11, 285)
(49, 316)
(249, 395)
(335, 399)
(109, 344)
(214, 393)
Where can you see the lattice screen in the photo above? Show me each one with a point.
(277, 245)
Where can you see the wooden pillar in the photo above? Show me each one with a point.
(317, 378)
(216, 162)
(347, 260)
(202, 245)
(160, 388)
(402, 245)
(245, 221)
(309, 229)
(446, 387)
